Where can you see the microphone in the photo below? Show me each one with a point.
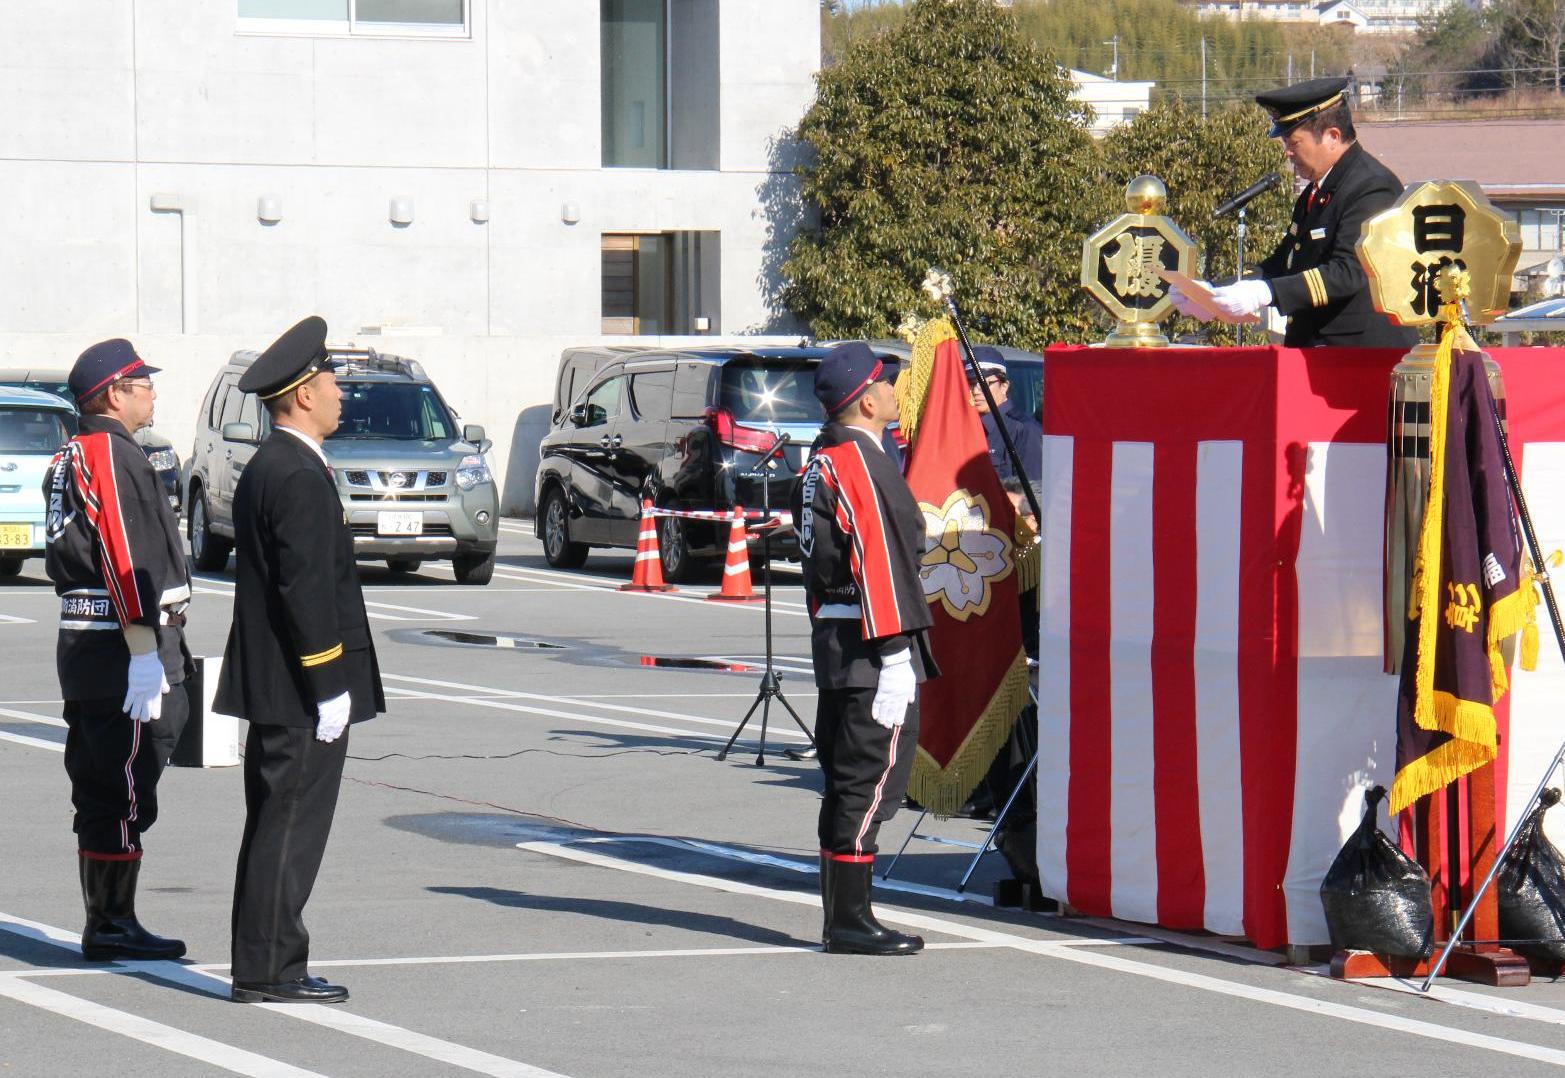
(1259, 187)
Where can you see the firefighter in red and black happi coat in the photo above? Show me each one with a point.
(861, 538)
(118, 566)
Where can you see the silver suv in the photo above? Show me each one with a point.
(415, 486)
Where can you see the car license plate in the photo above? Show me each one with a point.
(399, 523)
(16, 536)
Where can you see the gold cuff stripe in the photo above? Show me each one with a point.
(321, 658)
(1317, 286)
(1323, 106)
(309, 372)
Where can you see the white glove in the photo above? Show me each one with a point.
(1182, 303)
(144, 687)
(1242, 299)
(894, 692)
(333, 717)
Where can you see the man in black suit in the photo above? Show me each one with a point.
(299, 666)
(1313, 276)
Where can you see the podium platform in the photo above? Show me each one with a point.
(1211, 700)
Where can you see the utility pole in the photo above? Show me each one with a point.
(1290, 69)
(1203, 76)
(1312, 63)
(1114, 67)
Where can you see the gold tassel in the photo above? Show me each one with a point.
(1427, 562)
(1028, 555)
(912, 387)
(942, 790)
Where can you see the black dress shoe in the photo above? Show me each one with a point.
(300, 990)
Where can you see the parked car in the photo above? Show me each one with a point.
(415, 484)
(159, 450)
(33, 425)
(684, 427)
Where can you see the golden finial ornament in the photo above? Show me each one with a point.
(1122, 264)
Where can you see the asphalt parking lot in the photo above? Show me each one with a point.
(538, 867)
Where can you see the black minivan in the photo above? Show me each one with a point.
(684, 427)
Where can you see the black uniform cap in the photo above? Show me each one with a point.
(293, 359)
(1292, 105)
(846, 372)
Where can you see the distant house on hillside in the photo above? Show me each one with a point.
(1361, 16)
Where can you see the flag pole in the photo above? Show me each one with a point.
(1541, 577)
(937, 285)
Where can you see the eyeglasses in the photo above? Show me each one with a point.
(139, 383)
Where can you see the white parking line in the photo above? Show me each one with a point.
(373, 609)
(565, 580)
(28, 716)
(332, 1017)
(225, 1056)
(12, 619)
(508, 702)
(490, 693)
(32, 742)
(1088, 957)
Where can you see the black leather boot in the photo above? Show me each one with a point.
(112, 931)
(826, 878)
(854, 929)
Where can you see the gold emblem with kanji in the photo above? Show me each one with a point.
(1120, 264)
(1436, 224)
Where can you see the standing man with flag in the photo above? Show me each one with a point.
(861, 537)
(118, 565)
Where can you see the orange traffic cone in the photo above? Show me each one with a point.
(648, 572)
(736, 567)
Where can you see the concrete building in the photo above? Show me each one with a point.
(1112, 102)
(1518, 164)
(475, 183)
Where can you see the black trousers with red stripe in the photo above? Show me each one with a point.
(114, 763)
(866, 768)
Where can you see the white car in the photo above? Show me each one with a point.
(33, 426)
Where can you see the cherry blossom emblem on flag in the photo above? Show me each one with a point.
(965, 556)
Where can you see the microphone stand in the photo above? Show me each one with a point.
(1239, 270)
(771, 686)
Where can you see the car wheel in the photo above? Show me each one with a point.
(680, 566)
(10, 566)
(403, 565)
(208, 550)
(473, 568)
(558, 550)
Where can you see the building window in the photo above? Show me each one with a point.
(377, 18)
(1542, 229)
(661, 283)
(659, 63)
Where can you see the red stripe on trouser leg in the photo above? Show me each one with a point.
(855, 752)
(1088, 835)
(1181, 878)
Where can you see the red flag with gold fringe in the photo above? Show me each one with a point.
(970, 579)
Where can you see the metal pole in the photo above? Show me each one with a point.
(1005, 436)
(1203, 76)
(1541, 569)
(1239, 270)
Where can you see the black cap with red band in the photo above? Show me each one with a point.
(846, 372)
(103, 364)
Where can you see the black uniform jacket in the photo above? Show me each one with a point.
(861, 538)
(116, 559)
(1026, 434)
(300, 635)
(1316, 278)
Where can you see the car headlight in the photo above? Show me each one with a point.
(164, 459)
(471, 472)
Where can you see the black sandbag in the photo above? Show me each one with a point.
(1376, 897)
(1531, 889)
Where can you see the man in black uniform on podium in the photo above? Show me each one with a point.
(1314, 276)
(861, 537)
(300, 666)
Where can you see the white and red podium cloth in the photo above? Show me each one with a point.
(1211, 701)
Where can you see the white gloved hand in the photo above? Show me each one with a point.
(1183, 304)
(333, 719)
(895, 689)
(144, 687)
(1242, 299)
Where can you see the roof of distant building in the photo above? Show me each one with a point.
(1507, 158)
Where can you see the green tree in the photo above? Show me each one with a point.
(1202, 162)
(946, 140)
